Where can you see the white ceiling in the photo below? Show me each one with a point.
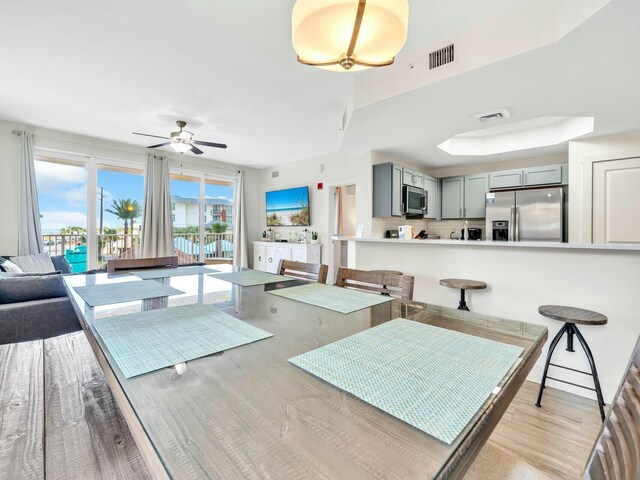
(106, 69)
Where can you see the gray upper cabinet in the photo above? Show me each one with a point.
(452, 193)
(505, 179)
(431, 190)
(543, 175)
(412, 178)
(475, 190)
(387, 190)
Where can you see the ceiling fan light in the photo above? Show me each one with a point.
(322, 32)
(180, 147)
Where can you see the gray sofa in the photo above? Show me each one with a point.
(34, 306)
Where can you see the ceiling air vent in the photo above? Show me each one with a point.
(275, 174)
(441, 57)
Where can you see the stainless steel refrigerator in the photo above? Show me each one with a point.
(535, 215)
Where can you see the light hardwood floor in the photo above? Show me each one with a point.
(552, 442)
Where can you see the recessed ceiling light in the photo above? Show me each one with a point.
(533, 133)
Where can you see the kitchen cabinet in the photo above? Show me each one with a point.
(412, 178)
(543, 175)
(505, 179)
(452, 194)
(476, 188)
(431, 189)
(387, 190)
(267, 255)
(528, 177)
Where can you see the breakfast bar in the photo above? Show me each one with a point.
(521, 276)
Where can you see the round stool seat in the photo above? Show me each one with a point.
(573, 315)
(462, 284)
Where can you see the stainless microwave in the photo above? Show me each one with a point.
(414, 201)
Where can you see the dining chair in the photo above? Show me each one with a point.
(385, 283)
(616, 453)
(308, 271)
(128, 264)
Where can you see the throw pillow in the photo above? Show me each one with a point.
(10, 267)
(40, 263)
(2, 260)
(61, 263)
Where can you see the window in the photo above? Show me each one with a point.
(62, 197)
(119, 212)
(203, 218)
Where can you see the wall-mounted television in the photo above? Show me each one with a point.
(288, 208)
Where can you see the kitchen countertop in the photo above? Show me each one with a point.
(489, 244)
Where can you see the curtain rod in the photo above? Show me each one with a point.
(18, 132)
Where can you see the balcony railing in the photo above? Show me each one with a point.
(217, 246)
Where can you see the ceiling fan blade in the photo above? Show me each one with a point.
(159, 145)
(209, 144)
(147, 135)
(196, 150)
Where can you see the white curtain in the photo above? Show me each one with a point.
(239, 224)
(29, 230)
(157, 223)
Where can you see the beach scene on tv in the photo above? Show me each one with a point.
(288, 208)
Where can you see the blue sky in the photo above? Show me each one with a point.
(62, 194)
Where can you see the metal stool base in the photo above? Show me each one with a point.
(463, 304)
(570, 329)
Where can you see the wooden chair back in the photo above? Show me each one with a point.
(308, 271)
(616, 453)
(385, 283)
(128, 264)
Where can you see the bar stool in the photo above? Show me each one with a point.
(463, 285)
(572, 316)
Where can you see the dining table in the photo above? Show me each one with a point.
(248, 412)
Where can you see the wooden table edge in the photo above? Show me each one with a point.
(458, 464)
(147, 450)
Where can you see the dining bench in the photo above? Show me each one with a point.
(59, 418)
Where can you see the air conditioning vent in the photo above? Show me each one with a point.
(441, 57)
(492, 116)
(275, 174)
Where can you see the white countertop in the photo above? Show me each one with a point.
(485, 243)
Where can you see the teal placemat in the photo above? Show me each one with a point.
(105, 294)
(172, 272)
(248, 278)
(429, 377)
(338, 299)
(147, 341)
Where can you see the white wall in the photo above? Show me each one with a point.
(582, 155)
(521, 279)
(62, 142)
(332, 170)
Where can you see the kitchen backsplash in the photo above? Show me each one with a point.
(444, 228)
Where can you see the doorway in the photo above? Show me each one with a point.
(343, 215)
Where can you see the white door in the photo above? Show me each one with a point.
(616, 201)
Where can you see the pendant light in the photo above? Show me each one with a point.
(343, 35)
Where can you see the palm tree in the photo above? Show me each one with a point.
(126, 209)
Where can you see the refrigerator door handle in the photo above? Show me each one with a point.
(512, 221)
(517, 235)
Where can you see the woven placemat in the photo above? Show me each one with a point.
(338, 299)
(429, 377)
(108, 293)
(249, 278)
(147, 341)
(172, 272)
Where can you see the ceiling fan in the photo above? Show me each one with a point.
(182, 141)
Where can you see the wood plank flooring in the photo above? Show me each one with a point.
(552, 442)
